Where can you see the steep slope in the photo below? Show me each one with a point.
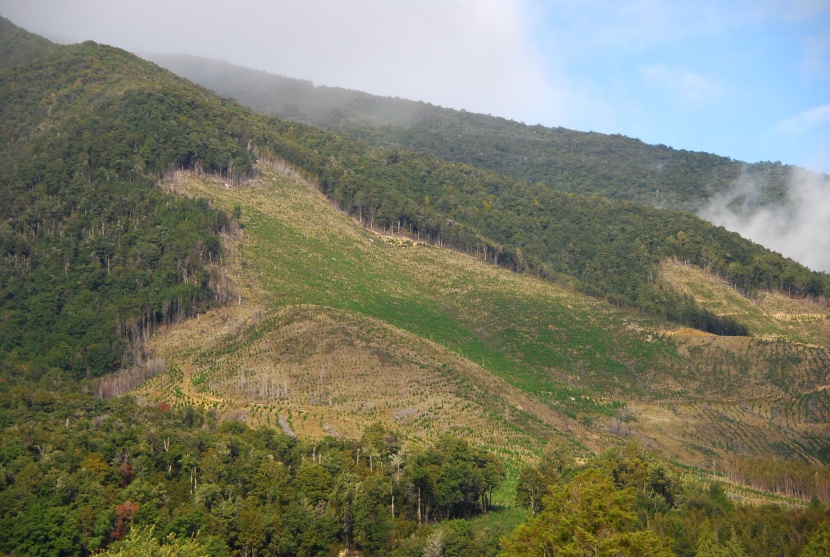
(340, 326)
(613, 249)
(90, 244)
(577, 162)
(94, 255)
(18, 46)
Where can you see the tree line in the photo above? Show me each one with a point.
(79, 474)
(630, 502)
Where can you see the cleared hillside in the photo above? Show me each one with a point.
(119, 124)
(767, 314)
(339, 326)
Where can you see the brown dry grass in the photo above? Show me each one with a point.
(769, 314)
(324, 369)
(346, 370)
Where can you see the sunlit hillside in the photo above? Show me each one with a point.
(223, 334)
(336, 326)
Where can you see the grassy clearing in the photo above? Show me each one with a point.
(769, 314)
(337, 326)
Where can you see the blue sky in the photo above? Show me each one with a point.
(750, 80)
(744, 79)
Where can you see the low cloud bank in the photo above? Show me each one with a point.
(798, 228)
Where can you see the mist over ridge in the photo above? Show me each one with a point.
(798, 228)
(778, 206)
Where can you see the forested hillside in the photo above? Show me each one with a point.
(612, 166)
(328, 381)
(18, 46)
(94, 255)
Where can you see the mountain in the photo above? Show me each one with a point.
(315, 334)
(98, 256)
(95, 256)
(18, 45)
(612, 166)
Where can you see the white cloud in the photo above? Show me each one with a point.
(687, 86)
(585, 64)
(806, 122)
(798, 229)
(475, 54)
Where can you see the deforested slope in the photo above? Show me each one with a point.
(340, 326)
(96, 256)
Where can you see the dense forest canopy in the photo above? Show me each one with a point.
(94, 254)
(85, 472)
(78, 475)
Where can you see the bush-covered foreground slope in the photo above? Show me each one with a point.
(612, 166)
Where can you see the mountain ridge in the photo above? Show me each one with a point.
(610, 165)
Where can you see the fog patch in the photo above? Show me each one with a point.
(798, 228)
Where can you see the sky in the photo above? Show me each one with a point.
(746, 79)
